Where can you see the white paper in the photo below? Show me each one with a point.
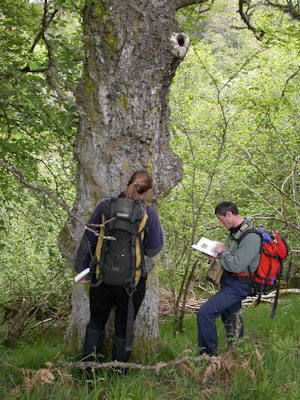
(206, 246)
(82, 274)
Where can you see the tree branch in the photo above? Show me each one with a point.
(46, 21)
(289, 8)
(246, 9)
(185, 3)
(245, 15)
(35, 187)
(268, 179)
(287, 82)
(92, 364)
(18, 174)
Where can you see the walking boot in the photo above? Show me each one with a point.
(120, 354)
(92, 345)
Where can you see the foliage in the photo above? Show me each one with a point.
(35, 286)
(270, 21)
(265, 365)
(235, 107)
(191, 17)
(40, 63)
(236, 131)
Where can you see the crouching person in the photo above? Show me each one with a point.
(238, 259)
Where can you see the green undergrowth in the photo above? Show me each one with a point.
(264, 366)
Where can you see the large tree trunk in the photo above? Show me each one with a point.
(132, 51)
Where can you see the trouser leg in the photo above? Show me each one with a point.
(233, 323)
(207, 331)
(101, 302)
(102, 299)
(228, 298)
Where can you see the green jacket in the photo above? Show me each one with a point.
(243, 255)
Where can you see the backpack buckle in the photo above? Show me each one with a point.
(131, 289)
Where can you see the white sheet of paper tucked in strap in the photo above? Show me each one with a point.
(81, 274)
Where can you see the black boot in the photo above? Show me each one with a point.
(92, 344)
(120, 354)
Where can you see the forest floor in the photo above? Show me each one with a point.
(265, 364)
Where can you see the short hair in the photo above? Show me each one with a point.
(225, 206)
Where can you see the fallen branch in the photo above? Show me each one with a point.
(214, 360)
(267, 298)
(82, 365)
(193, 304)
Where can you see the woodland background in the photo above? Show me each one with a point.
(235, 106)
(234, 124)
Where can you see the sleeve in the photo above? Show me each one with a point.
(153, 241)
(246, 255)
(89, 241)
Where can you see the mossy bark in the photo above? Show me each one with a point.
(123, 123)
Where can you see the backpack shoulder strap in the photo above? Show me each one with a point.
(246, 232)
(238, 235)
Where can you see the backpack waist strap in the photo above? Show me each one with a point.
(243, 276)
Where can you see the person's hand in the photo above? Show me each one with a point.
(219, 248)
(83, 281)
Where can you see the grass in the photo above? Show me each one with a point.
(265, 366)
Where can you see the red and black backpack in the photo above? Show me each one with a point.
(266, 278)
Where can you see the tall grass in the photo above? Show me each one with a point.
(264, 366)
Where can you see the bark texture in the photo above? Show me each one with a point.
(132, 50)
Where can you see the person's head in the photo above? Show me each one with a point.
(228, 214)
(139, 185)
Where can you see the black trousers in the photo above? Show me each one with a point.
(104, 297)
